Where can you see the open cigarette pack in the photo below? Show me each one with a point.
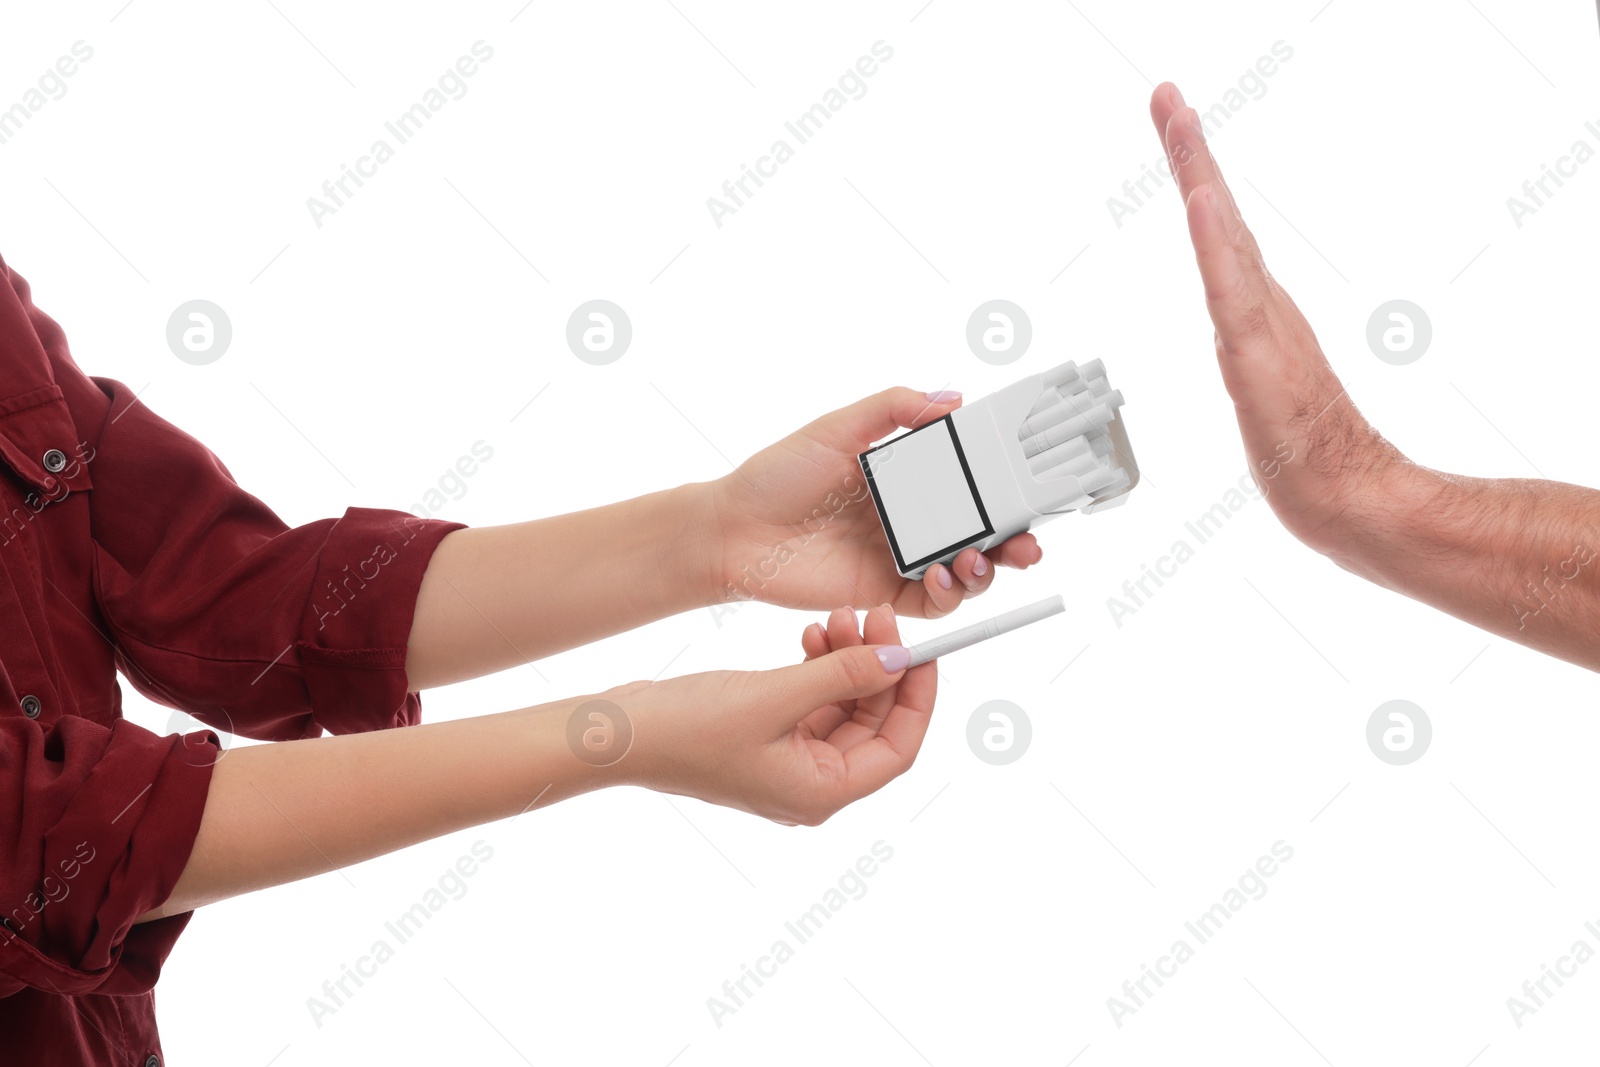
(1051, 443)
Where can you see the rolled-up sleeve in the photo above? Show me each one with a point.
(102, 822)
(139, 551)
(221, 609)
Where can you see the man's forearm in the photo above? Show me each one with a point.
(1517, 557)
(278, 813)
(498, 596)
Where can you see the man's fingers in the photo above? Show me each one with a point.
(1163, 102)
(1238, 292)
(1192, 162)
(1235, 312)
(1183, 137)
(1194, 166)
(1270, 361)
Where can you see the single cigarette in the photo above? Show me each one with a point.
(1093, 419)
(1065, 373)
(1058, 383)
(1064, 408)
(982, 631)
(1078, 466)
(1076, 404)
(1071, 452)
(1047, 400)
(1099, 479)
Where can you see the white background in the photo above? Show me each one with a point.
(1225, 715)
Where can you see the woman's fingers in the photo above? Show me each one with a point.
(853, 428)
(823, 722)
(944, 586)
(814, 641)
(879, 628)
(859, 751)
(843, 629)
(943, 591)
(916, 691)
(971, 573)
(861, 723)
(818, 640)
(973, 570)
(876, 761)
(872, 714)
(819, 694)
(1021, 552)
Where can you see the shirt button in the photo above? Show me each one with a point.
(31, 706)
(54, 460)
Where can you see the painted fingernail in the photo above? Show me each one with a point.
(894, 657)
(943, 396)
(942, 573)
(980, 566)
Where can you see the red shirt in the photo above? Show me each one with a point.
(126, 545)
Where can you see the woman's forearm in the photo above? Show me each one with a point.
(278, 813)
(498, 596)
(1518, 557)
(794, 744)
